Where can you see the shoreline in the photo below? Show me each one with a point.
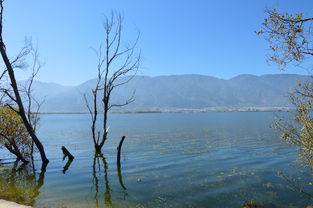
(189, 110)
(10, 204)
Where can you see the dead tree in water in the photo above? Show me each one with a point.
(66, 153)
(14, 92)
(117, 65)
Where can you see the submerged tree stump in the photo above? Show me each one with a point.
(66, 153)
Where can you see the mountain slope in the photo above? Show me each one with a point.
(179, 91)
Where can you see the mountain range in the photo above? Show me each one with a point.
(177, 92)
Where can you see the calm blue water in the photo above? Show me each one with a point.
(168, 160)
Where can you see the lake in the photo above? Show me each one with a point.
(216, 159)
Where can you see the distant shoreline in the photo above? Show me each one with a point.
(204, 110)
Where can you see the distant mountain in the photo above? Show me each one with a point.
(178, 92)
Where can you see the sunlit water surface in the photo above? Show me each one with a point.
(168, 160)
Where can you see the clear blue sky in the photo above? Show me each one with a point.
(177, 36)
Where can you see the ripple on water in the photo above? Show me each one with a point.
(168, 160)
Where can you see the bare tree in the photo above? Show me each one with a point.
(33, 105)
(117, 65)
(13, 93)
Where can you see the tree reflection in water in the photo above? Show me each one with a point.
(67, 165)
(96, 171)
(120, 178)
(21, 183)
(100, 166)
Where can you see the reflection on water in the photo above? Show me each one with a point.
(20, 183)
(168, 160)
(101, 166)
(100, 172)
(296, 184)
(120, 177)
(67, 165)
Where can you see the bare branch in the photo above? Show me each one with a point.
(3, 73)
(6, 92)
(87, 105)
(19, 61)
(114, 62)
(12, 108)
(127, 102)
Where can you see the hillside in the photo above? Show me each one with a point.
(178, 92)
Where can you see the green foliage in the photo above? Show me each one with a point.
(13, 134)
(299, 131)
(290, 40)
(289, 36)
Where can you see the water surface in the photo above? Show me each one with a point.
(168, 160)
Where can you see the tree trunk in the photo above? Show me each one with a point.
(98, 148)
(17, 153)
(21, 110)
(105, 120)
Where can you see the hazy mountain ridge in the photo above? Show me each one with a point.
(178, 92)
